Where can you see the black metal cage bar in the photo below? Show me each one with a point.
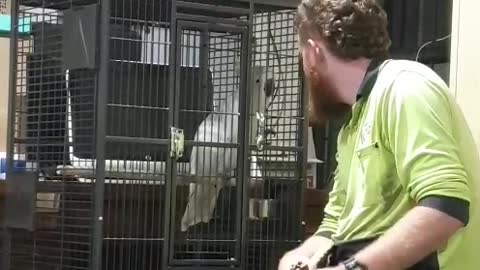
(150, 134)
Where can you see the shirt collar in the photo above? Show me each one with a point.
(365, 89)
(370, 78)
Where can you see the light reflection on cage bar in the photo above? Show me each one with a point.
(146, 194)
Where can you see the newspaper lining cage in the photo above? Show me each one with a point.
(152, 134)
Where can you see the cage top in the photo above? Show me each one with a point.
(259, 5)
(282, 4)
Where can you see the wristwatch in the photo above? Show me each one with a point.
(353, 264)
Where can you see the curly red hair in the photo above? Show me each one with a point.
(351, 29)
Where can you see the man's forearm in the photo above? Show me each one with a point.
(419, 233)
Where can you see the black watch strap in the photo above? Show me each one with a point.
(353, 264)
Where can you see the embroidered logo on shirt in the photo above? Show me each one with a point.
(366, 133)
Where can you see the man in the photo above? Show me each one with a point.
(406, 189)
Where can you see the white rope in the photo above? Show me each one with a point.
(429, 43)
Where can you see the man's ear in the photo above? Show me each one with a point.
(311, 43)
(316, 50)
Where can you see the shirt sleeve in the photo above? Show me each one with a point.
(419, 131)
(333, 209)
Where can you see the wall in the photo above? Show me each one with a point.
(465, 58)
(4, 59)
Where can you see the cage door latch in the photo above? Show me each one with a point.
(177, 140)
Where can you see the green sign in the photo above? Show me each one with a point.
(24, 25)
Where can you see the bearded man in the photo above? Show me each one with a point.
(407, 185)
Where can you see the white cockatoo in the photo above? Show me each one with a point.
(212, 166)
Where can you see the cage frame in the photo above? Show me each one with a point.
(245, 27)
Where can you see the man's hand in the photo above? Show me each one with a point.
(309, 253)
(290, 260)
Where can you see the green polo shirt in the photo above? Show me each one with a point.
(406, 143)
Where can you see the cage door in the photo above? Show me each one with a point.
(211, 60)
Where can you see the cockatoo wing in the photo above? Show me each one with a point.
(211, 164)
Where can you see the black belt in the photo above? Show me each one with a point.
(343, 251)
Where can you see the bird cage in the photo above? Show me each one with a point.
(154, 134)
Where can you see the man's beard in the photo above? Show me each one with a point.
(325, 101)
